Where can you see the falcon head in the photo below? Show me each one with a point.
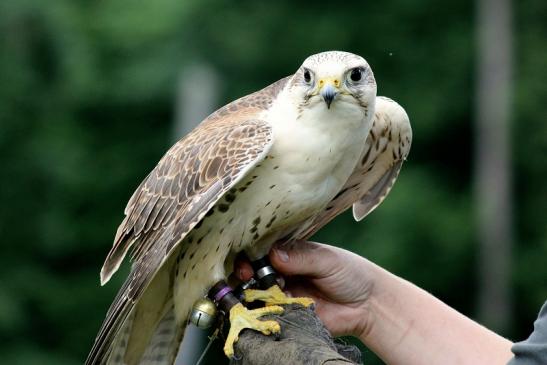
(333, 79)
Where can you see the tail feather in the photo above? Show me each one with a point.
(119, 347)
(165, 342)
(162, 340)
(150, 334)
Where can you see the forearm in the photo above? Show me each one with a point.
(406, 325)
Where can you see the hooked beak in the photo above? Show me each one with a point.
(329, 90)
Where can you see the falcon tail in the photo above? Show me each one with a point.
(144, 331)
(163, 340)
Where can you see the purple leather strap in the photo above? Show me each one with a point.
(221, 293)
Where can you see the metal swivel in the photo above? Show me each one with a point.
(264, 273)
(238, 291)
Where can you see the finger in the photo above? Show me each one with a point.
(243, 269)
(280, 281)
(297, 290)
(305, 258)
(303, 289)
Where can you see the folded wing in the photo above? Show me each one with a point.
(386, 148)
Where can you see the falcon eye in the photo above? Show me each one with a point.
(307, 76)
(356, 74)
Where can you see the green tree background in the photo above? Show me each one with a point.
(87, 91)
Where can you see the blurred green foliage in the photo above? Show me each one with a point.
(86, 109)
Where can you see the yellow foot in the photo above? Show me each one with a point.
(274, 295)
(241, 318)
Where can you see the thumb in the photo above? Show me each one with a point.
(304, 258)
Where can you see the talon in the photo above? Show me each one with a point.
(274, 296)
(241, 318)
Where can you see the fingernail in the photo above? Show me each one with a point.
(282, 254)
(280, 281)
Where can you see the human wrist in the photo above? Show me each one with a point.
(370, 275)
(379, 298)
(407, 325)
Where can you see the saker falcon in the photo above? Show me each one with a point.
(276, 164)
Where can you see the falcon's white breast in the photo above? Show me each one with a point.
(314, 151)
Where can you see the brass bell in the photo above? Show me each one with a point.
(204, 313)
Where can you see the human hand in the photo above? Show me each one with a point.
(397, 320)
(339, 282)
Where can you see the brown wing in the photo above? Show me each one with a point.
(386, 147)
(192, 167)
(177, 194)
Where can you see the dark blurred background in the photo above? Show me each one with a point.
(92, 93)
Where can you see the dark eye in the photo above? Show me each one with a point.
(356, 74)
(307, 76)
